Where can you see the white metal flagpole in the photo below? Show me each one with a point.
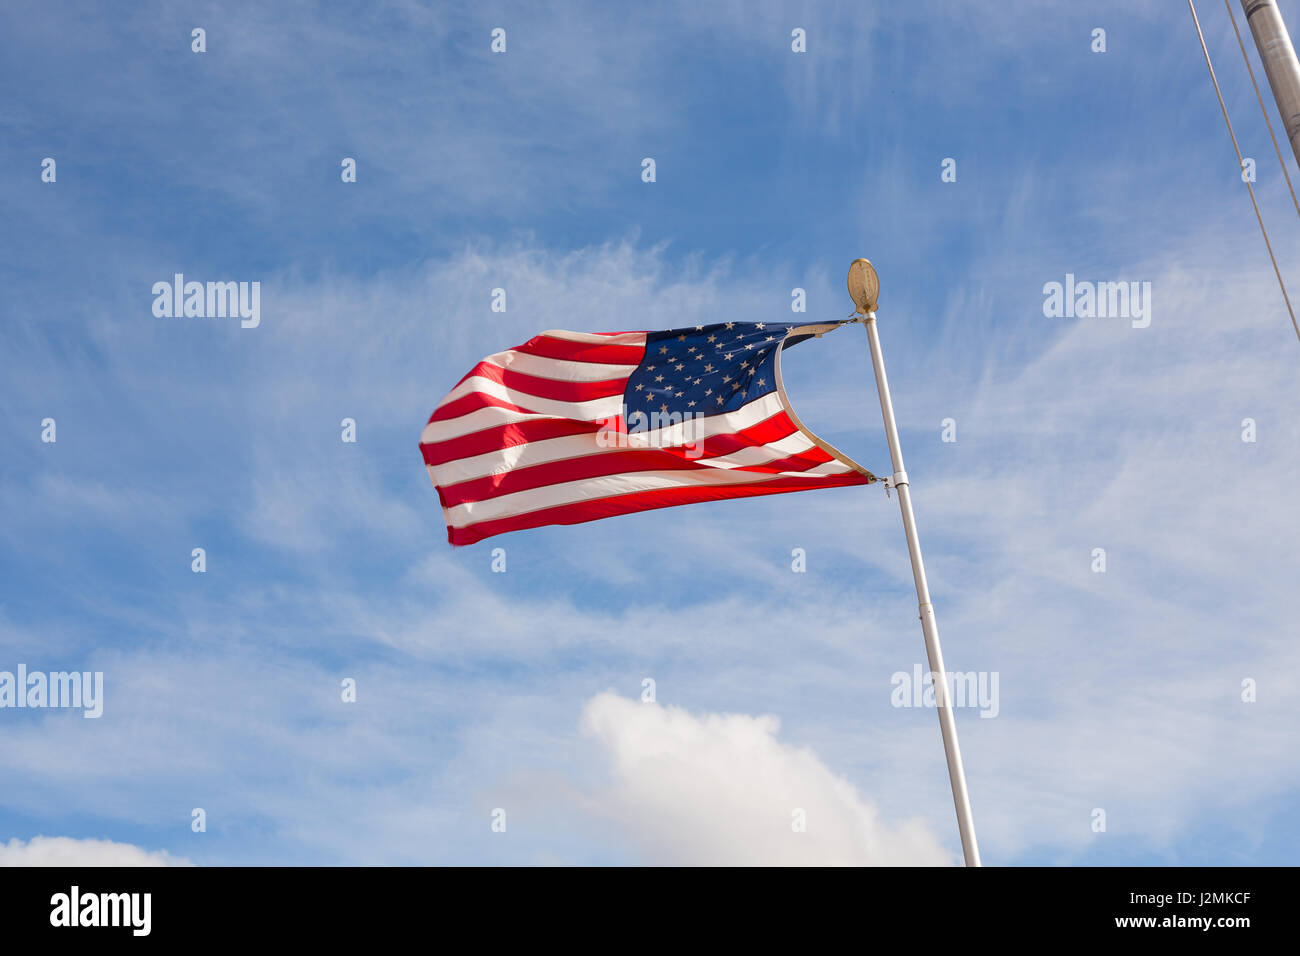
(864, 287)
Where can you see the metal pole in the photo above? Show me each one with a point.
(956, 774)
(1280, 64)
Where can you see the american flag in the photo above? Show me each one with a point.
(574, 426)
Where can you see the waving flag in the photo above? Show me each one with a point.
(574, 426)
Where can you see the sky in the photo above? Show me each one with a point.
(1144, 713)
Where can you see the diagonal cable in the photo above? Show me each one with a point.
(1241, 165)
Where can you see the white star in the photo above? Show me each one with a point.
(731, 325)
(760, 326)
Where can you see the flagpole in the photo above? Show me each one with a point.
(1280, 64)
(864, 286)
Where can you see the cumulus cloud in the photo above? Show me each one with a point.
(65, 851)
(721, 789)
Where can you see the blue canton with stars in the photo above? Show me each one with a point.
(708, 369)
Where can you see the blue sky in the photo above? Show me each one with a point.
(521, 691)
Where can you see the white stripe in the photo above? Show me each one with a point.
(591, 489)
(571, 446)
(559, 369)
(589, 411)
(831, 468)
(591, 338)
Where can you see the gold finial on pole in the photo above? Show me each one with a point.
(864, 285)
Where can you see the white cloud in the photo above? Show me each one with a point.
(65, 851)
(721, 789)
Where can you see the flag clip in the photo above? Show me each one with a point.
(894, 480)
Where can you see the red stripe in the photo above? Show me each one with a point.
(557, 389)
(583, 511)
(472, 403)
(503, 436)
(768, 430)
(547, 347)
(800, 462)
